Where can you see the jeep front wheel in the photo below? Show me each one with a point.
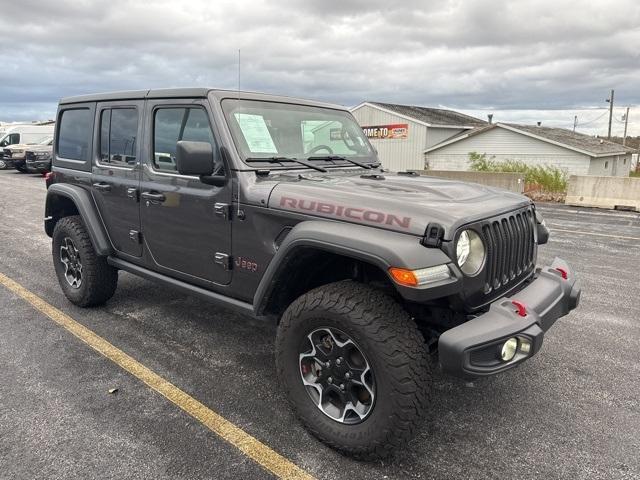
(354, 367)
(86, 278)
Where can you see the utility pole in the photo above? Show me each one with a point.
(610, 100)
(575, 123)
(626, 122)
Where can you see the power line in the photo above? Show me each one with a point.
(592, 120)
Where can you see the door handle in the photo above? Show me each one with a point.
(102, 187)
(154, 197)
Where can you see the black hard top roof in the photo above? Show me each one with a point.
(192, 92)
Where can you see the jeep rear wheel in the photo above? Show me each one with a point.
(86, 278)
(355, 368)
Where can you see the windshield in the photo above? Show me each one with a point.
(269, 130)
(46, 141)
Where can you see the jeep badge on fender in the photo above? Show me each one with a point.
(278, 208)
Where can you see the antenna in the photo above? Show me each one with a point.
(237, 108)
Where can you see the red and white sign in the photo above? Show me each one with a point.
(398, 130)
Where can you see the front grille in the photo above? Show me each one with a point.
(30, 156)
(511, 249)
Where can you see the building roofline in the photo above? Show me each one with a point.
(528, 134)
(560, 144)
(415, 120)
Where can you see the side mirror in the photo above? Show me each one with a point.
(194, 158)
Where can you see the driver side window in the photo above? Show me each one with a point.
(11, 139)
(172, 124)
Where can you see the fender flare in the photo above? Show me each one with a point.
(87, 209)
(381, 248)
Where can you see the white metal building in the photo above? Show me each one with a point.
(577, 153)
(401, 133)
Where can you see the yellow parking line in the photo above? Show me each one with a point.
(250, 446)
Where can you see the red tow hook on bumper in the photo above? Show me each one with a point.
(520, 308)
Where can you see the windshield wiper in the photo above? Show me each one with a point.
(286, 159)
(338, 157)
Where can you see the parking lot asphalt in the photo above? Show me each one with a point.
(572, 411)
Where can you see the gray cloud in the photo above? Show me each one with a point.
(556, 56)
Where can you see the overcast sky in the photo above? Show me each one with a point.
(527, 60)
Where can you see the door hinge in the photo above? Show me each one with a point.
(223, 260)
(135, 236)
(223, 210)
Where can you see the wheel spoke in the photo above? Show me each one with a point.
(337, 375)
(70, 258)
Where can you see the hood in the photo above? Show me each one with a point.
(39, 148)
(17, 146)
(394, 202)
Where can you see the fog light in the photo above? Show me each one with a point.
(525, 346)
(509, 349)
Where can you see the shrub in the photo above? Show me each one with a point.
(547, 178)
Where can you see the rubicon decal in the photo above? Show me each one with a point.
(343, 211)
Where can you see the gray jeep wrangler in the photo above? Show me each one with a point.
(278, 208)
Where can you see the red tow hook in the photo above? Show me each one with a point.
(563, 272)
(520, 308)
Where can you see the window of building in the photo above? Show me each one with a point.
(172, 125)
(75, 134)
(118, 134)
(606, 165)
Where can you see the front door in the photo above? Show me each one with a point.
(184, 222)
(115, 175)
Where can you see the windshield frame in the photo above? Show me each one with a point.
(253, 159)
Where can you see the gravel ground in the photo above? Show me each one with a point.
(570, 412)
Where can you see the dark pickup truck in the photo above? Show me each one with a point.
(279, 208)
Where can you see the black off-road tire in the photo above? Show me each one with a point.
(396, 351)
(99, 279)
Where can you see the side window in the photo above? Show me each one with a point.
(118, 135)
(75, 133)
(14, 138)
(170, 125)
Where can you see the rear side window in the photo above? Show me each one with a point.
(75, 134)
(118, 136)
(174, 124)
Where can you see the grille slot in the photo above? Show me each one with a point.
(510, 245)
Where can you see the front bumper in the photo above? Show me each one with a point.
(472, 349)
(39, 165)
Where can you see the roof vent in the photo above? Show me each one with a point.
(490, 118)
(539, 123)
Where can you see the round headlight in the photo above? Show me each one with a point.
(463, 248)
(470, 252)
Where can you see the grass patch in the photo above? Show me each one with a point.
(547, 178)
(635, 174)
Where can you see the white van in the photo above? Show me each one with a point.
(22, 133)
(12, 134)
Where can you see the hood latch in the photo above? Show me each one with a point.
(433, 235)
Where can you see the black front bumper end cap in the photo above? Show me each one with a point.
(472, 349)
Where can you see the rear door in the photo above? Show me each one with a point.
(115, 175)
(185, 223)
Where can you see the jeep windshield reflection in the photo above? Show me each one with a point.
(280, 132)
